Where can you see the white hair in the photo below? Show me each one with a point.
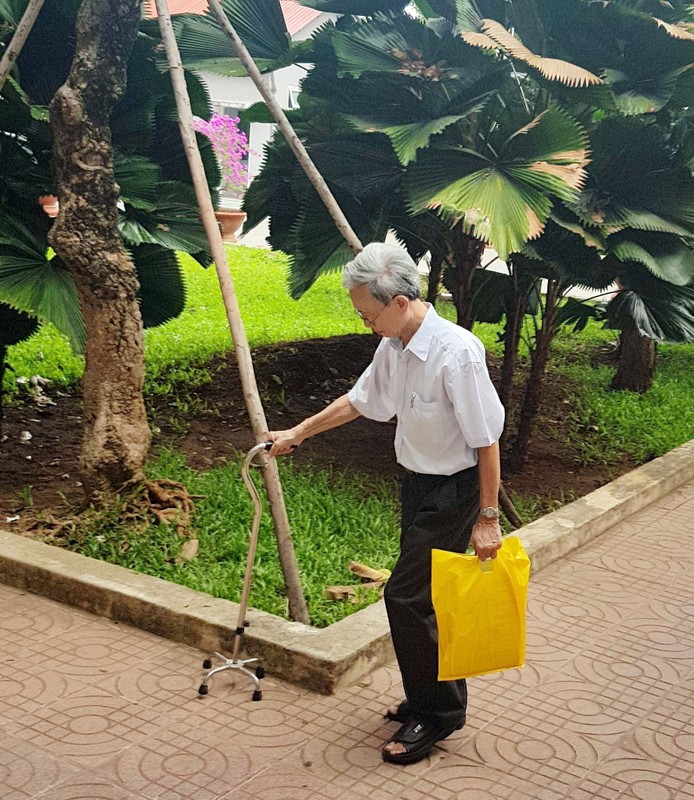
(387, 271)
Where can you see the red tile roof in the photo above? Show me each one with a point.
(296, 17)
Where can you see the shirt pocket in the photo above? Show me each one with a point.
(426, 422)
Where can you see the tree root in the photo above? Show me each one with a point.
(138, 506)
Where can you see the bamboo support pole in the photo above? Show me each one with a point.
(285, 126)
(295, 596)
(21, 34)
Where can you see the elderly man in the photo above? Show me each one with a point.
(431, 375)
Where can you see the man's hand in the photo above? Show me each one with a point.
(284, 442)
(486, 538)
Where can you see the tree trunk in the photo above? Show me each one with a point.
(508, 508)
(512, 332)
(85, 235)
(636, 362)
(435, 270)
(467, 256)
(3, 365)
(533, 388)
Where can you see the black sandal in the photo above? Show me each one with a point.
(401, 715)
(418, 738)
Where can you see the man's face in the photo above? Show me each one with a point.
(385, 320)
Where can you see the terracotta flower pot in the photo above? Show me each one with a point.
(230, 222)
(49, 203)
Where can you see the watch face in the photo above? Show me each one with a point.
(490, 513)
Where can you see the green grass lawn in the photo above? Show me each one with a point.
(179, 350)
(334, 519)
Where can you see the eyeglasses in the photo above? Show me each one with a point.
(367, 320)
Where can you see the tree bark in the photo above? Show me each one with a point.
(435, 270)
(3, 367)
(467, 256)
(512, 332)
(508, 508)
(21, 34)
(636, 362)
(533, 388)
(85, 235)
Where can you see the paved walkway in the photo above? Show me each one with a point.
(604, 708)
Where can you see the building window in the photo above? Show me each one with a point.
(293, 100)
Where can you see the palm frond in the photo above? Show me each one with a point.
(39, 286)
(678, 30)
(15, 326)
(552, 69)
(409, 138)
(260, 23)
(360, 8)
(657, 309)
(666, 256)
(162, 293)
(172, 222)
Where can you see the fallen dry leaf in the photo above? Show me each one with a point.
(188, 551)
(369, 573)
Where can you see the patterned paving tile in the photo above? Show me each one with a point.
(181, 763)
(27, 616)
(95, 649)
(280, 782)
(86, 786)
(627, 776)
(87, 727)
(23, 692)
(26, 771)
(603, 710)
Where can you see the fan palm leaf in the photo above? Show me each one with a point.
(494, 36)
(15, 326)
(38, 285)
(633, 181)
(504, 199)
(657, 309)
(172, 221)
(666, 256)
(162, 293)
(361, 8)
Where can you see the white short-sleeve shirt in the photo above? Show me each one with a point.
(439, 389)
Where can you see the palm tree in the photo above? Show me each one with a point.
(478, 127)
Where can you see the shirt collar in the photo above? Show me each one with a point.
(420, 343)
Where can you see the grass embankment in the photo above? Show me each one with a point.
(334, 518)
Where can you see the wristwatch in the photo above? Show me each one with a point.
(489, 512)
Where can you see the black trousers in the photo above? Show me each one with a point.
(438, 512)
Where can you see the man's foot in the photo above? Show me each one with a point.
(399, 713)
(414, 741)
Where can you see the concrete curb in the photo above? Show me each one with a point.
(323, 660)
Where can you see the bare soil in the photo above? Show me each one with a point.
(295, 380)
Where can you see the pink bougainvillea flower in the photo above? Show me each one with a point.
(230, 146)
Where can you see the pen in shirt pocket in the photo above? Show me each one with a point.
(414, 397)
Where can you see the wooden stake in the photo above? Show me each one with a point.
(295, 596)
(285, 126)
(14, 48)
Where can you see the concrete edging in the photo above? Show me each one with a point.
(320, 659)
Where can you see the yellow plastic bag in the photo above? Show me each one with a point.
(480, 610)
